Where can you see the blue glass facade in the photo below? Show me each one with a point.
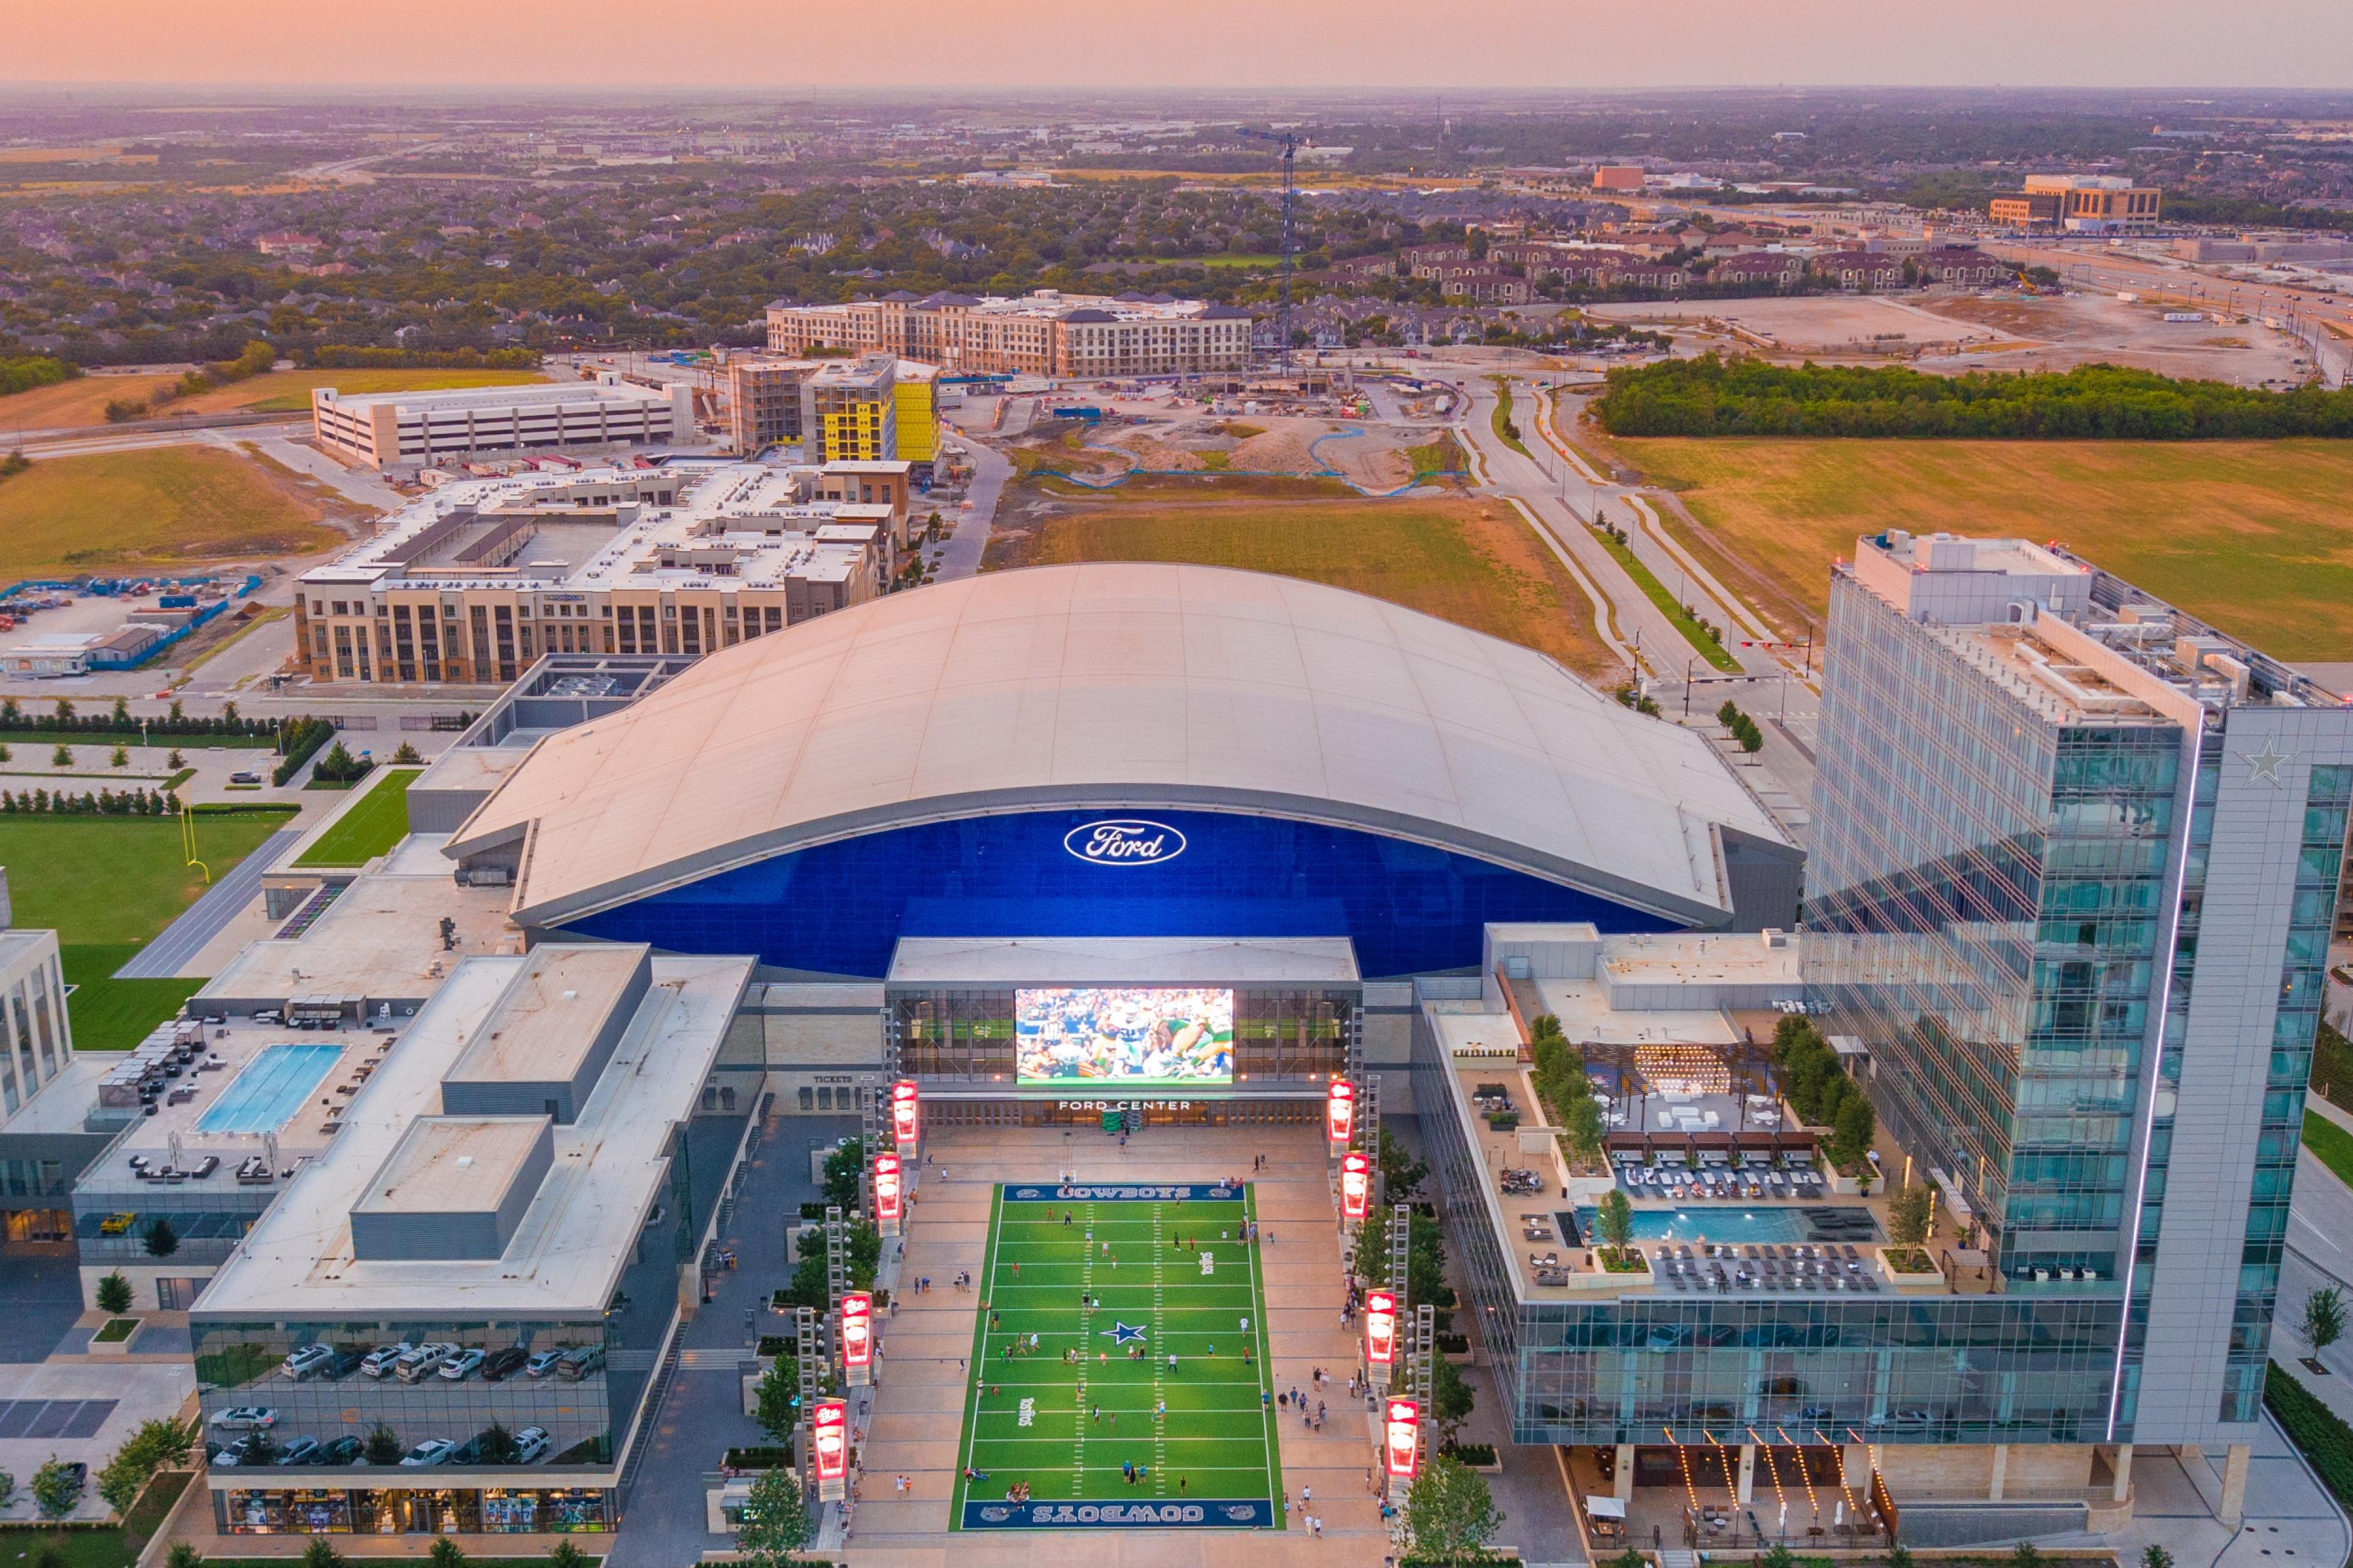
(840, 908)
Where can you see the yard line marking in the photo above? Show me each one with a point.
(1159, 1385)
(980, 1352)
(1086, 1322)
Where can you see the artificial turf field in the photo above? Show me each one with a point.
(1066, 1429)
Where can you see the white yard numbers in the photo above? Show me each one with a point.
(1029, 1413)
(1208, 1263)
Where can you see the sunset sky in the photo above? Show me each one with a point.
(1564, 44)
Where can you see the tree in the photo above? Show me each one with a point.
(62, 757)
(384, 1445)
(567, 1555)
(1909, 1213)
(56, 1487)
(1452, 1398)
(2156, 1556)
(776, 1521)
(2324, 1318)
(843, 1168)
(161, 1239)
(1778, 1555)
(7, 1489)
(2024, 1555)
(114, 1293)
(777, 1400)
(497, 1446)
(407, 755)
(1615, 1220)
(260, 1449)
(172, 760)
(120, 757)
(445, 1554)
(1450, 1515)
(1856, 1126)
(1401, 1174)
(321, 1554)
(154, 1445)
(184, 1555)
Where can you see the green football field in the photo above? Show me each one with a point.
(1201, 1435)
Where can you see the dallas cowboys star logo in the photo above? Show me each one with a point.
(1123, 1334)
(2267, 763)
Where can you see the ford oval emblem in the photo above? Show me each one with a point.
(1124, 843)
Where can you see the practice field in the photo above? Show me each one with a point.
(1125, 1277)
(156, 507)
(2254, 536)
(1474, 562)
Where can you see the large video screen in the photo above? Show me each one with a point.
(1128, 1036)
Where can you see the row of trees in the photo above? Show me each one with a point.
(1743, 729)
(105, 802)
(1817, 1086)
(1714, 396)
(1558, 1073)
(25, 371)
(66, 719)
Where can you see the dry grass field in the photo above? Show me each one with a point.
(2256, 537)
(162, 506)
(82, 401)
(1473, 563)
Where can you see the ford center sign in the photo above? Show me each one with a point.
(1126, 843)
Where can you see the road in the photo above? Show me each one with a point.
(1560, 492)
(966, 547)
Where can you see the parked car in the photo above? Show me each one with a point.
(342, 1451)
(543, 1363)
(301, 1451)
(379, 1362)
(307, 1361)
(531, 1444)
(346, 1361)
(432, 1451)
(504, 1363)
(579, 1361)
(240, 1452)
(422, 1361)
(462, 1366)
(245, 1418)
(244, 777)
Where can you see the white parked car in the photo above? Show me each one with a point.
(543, 1363)
(421, 1362)
(380, 1361)
(308, 1359)
(531, 1445)
(462, 1366)
(432, 1451)
(245, 1418)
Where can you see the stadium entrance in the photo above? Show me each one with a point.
(1124, 1033)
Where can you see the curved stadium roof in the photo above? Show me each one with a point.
(1123, 686)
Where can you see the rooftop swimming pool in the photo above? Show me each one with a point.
(271, 1089)
(1740, 1226)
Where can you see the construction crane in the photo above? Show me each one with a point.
(1289, 142)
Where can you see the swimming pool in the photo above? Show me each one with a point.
(1731, 1222)
(271, 1089)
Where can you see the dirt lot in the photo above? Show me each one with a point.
(1818, 325)
(1374, 457)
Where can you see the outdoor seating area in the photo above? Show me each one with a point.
(1756, 1177)
(1796, 1267)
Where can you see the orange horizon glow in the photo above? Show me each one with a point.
(1374, 45)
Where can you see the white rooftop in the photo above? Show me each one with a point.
(582, 1227)
(1124, 961)
(1127, 685)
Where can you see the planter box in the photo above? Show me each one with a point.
(116, 1347)
(1850, 1186)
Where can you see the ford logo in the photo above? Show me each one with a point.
(1126, 843)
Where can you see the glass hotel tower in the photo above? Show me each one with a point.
(2074, 863)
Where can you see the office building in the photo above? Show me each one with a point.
(2086, 204)
(510, 1215)
(763, 402)
(48, 1130)
(915, 391)
(415, 430)
(474, 582)
(1042, 333)
(2075, 858)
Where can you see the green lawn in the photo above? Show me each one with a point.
(1204, 1433)
(74, 1548)
(376, 821)
(107, 885)
(2331, 1143)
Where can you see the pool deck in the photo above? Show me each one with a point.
(269, 1091)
